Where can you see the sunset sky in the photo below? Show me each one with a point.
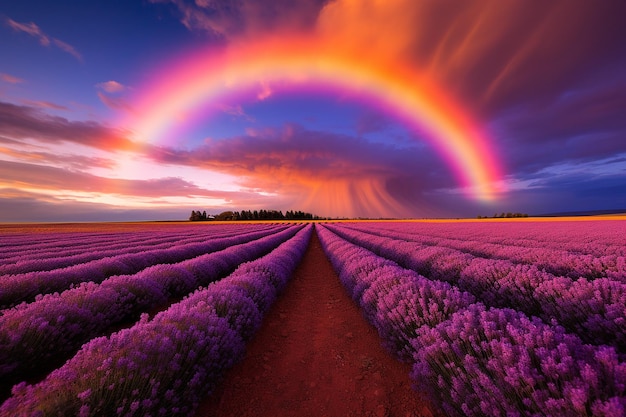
(148, 109)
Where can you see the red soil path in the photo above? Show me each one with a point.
(315, 355)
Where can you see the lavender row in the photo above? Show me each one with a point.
(55, 259)
(61, 256)
(410, 300)
(556, 261)
(61, 248)
(475, 361)
(58, 258)
(597, 238)
(25, 287)
(163, 367)
(21, 239)
(594, 310)
(55, 326)
(36, 245)
(29, 237)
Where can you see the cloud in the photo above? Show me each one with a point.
(35, 31)
(24, 153)
(26, 122)
(68, 48)
(55, 179)
(20, 206)
(236, 111)
(45, 105)
(115, 103)
(530, 73)
(264, 92)
(112, 86)
(370, 122)
(341, 175)
(30, 28)
(582, 125)
(545, 81)
(37, 191)
(490, 54)
(246, 18)
(323, 172)
(569, 192)
(7, 78)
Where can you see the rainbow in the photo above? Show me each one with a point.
(205, 76)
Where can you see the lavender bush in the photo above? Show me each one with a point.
(25, 287)
(595, 310)
(163, 367)
(56, 325)
(397, 301)
(558, 258)
(31, 252)
(476, 361)
(498, 362)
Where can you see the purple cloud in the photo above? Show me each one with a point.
(296, 162)
(45, 105)
(25, 122)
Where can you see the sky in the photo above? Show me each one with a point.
(147, 109)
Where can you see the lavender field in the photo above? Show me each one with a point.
(495, 318)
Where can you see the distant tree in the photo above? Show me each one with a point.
(225, 215)
(195, 216)
(503, 215)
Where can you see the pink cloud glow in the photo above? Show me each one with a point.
(112, 86)
(7, 78)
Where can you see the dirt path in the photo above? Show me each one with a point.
(315, 355)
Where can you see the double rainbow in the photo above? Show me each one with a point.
(201, 77)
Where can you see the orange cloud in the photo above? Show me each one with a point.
(40, 177)
(489, 53)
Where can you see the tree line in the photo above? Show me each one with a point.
(504, 216)
(253, 215)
